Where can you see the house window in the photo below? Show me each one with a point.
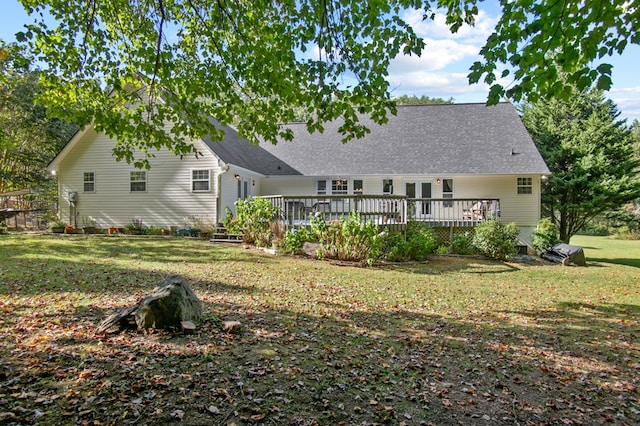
(339, 186)
(321, 187)
(138, 181)
(200, 181)
(525, 185)
(447, 192)
(387, 186)
(357, 186)
(89, 182)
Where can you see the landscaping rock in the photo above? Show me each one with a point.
(170, 304)
(311, 249)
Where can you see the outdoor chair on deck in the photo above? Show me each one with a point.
(477, 211)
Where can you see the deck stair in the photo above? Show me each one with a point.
(222, 235)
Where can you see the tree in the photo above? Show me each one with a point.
(550, 47)
(635, 136)
(263, 63)
(590, 155)
(28, 139)
(422, 100)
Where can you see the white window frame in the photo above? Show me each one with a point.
(342, 184)
(524, 185)
(359, 190)
(321, 187)
(387, 186)
(136, 177)
(447, 194)
(195, 179)
(92, 182)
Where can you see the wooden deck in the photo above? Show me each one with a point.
(392, 211)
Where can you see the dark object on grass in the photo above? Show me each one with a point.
(170, 304)
(565, 254)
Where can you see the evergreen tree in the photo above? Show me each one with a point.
(590, 154)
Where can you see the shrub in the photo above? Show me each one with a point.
(461, 243)
(495, 239)
(253, 219)
(295, 238)
(595, 229)
(395, 247)
(546, 235)
(628, 235)
(349, 239)
(444, 250)
(421, 240)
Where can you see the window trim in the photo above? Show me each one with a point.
(521, 185)
(131, 181)
(208, 180)
(85, 182)
(321, 191)
(360, 190)
(339, 183)
(447, 194)
(388, 182)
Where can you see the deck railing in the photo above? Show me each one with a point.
(386, 209)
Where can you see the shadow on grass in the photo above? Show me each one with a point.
(337, 361)
(351, 366)
(622, 261)
(437, 265)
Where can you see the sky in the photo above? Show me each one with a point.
(442, 69)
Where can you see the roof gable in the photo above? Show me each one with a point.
(234, 149)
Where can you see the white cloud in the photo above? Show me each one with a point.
(450, 54)
(628, 101)
(625, 90)
(437, 55)
(434, 84)
(438, 28)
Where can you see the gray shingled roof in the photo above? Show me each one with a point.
(455, 139)
(238, 151)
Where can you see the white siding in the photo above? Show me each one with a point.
(229, 187)
(167, 201)
(522, 209)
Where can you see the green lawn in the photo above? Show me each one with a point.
(455, 340)
(609, 250)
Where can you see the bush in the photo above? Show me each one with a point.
(396, 247)
(442, 250)
(295, 238)
(421, 240)
(595, 229)
(628, 235)
(546, 235)
(461, 243)
(253, 219)
(495, 239)
(231, 223)
(349, 239)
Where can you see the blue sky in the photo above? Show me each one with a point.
(442, 69)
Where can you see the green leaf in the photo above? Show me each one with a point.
(604, 82)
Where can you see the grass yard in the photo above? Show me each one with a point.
(449, 341)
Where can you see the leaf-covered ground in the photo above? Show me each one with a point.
(449, 341)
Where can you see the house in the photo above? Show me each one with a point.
(452, 165)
